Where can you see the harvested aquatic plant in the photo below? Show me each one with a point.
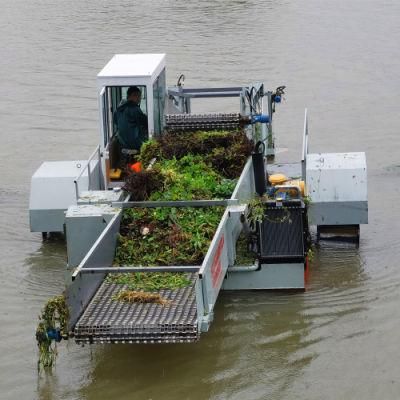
(188, 178)
(193, 166)
(54, 318)
(149, 150)
(244, 254)
(256, 211)
(142, 184)
(131, 296)
(149, 281)
(230, 160)
(174, 236)
(225, 151)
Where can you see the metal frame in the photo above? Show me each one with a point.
(175, 203)
(118, 270)
(251, 103)
(83, 287)
(304, 148)
(88, 168)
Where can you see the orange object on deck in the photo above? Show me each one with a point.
(136, 167)
(115, 173)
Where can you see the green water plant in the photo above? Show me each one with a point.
(190, 166)
(142, 184)
(310, 253)
(244, 256)
(149, 281)
(190, 178)
(166, 236)
(187, 178)
(54, 317)
(225, 151)
(256, 210)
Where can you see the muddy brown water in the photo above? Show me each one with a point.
(341, 59)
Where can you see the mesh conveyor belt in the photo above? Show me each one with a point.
(110, 321)
(193, 122)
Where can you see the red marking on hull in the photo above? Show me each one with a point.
(216, 267)
(306, 271)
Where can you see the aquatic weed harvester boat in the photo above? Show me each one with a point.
(154, 238)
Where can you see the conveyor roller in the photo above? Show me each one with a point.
(195, 122)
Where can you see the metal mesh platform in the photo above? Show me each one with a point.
(109, 321)
(282, 236)
(194, 122)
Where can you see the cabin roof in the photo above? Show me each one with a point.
(131, 65)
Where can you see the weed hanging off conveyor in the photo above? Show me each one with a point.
(52, 326)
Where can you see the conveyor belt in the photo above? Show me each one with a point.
(109, 321)
(281, 235)
(195, 122)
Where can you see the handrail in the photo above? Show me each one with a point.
(86, 167)
(129, 269)
(175, 203)
(305, 147)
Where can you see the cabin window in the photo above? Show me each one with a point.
(114, 96)
(111, 98)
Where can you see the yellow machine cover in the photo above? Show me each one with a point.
(277, 179)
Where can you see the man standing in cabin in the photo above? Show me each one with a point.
(131, 123)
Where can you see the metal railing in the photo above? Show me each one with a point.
(88, 168)
(305, 147)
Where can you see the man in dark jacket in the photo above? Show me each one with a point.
(131, 121)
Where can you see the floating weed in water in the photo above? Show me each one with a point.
(132, 296)
(54, 316)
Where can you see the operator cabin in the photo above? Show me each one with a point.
(117, 83)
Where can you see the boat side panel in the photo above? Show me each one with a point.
(245, 189)
(338, 213)
(84, 286)
(220, 255)
(269, 276)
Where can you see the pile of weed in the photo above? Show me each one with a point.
(166, 236)
(190, 166)
(230, 160)
(187, 178)
(225, 151)
(190, 178)
(141, 184)
(149, 281)
(133, 296)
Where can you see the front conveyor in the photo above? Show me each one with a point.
(106, 320)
